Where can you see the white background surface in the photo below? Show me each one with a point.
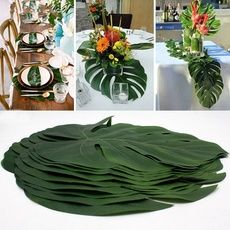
(17, 212)
(100, 102)
(175, 88)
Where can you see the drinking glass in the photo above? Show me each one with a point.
(120, 93)
(143, 30)
(49, 45)
(60, 92)
(51, 33)
(66, 73)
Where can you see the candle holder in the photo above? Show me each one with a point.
(120, 93)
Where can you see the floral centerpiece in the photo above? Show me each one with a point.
(95, 10)
(109, 59)
(199, 20)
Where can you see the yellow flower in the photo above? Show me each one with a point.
(118, 44)
(116, 59)
(102, 45)
(111, 56)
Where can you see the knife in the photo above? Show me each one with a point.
(35, 91)
(31, 95)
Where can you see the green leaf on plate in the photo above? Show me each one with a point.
(32, 38)
(34, 76)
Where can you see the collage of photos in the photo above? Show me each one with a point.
(114, 114)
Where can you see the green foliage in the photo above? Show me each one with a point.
(133, 74)
(57, 11)
(57, 78)
(213, 24)
(103, 169)
(205, 71)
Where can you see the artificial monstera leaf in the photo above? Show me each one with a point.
(104, 169)
(206, 73)
(32, 38)
(34, 76)
(133, 73)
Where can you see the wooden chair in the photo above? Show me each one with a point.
(18, 5)
(4, 62)
(15, 15)
(9, 33)
(124, 20)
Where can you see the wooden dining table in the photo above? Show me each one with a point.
(26, 103)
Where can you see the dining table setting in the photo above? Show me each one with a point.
(44, 73)
(193, 73)
(122, 93)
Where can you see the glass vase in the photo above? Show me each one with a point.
(187, 34)
(197, 41)
(113, 70)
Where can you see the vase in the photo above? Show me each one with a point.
(197, 41)
(113, 70)
(187, 34)
(58, 34)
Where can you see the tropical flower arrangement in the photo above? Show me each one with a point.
(95, 9)
(109, 59)
(111, 46)
(199, 20)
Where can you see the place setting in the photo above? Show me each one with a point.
(46, 81)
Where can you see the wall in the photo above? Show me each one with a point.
(142, 13)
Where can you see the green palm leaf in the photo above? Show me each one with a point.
(105, 169)
(133, 74)
(206, 73)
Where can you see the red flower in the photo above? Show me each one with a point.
(199, 20)
(93, 9)
(112, 35)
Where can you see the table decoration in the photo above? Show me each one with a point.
(199, 20)
(95, 10)
(38, 84)
(60, 12)
(103, 169)
(108, 59)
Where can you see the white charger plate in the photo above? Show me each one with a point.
(40, 39)
(44, 73)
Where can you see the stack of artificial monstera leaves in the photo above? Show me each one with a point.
(106, 169)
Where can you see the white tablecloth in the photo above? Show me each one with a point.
(100, 102)
(175, 89)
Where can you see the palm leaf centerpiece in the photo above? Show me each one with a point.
(109, 59)
(199, 20)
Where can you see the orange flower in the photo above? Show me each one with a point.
(102, 45)
(93, 9)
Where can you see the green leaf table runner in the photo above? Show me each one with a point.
(104, 169)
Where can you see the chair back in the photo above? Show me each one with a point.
(15, 15)
(9, 33)
(123, 20)
(4, 62)
(18, 5)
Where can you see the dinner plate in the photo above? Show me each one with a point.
(45, 73)
(58, 61)
(40, 39)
